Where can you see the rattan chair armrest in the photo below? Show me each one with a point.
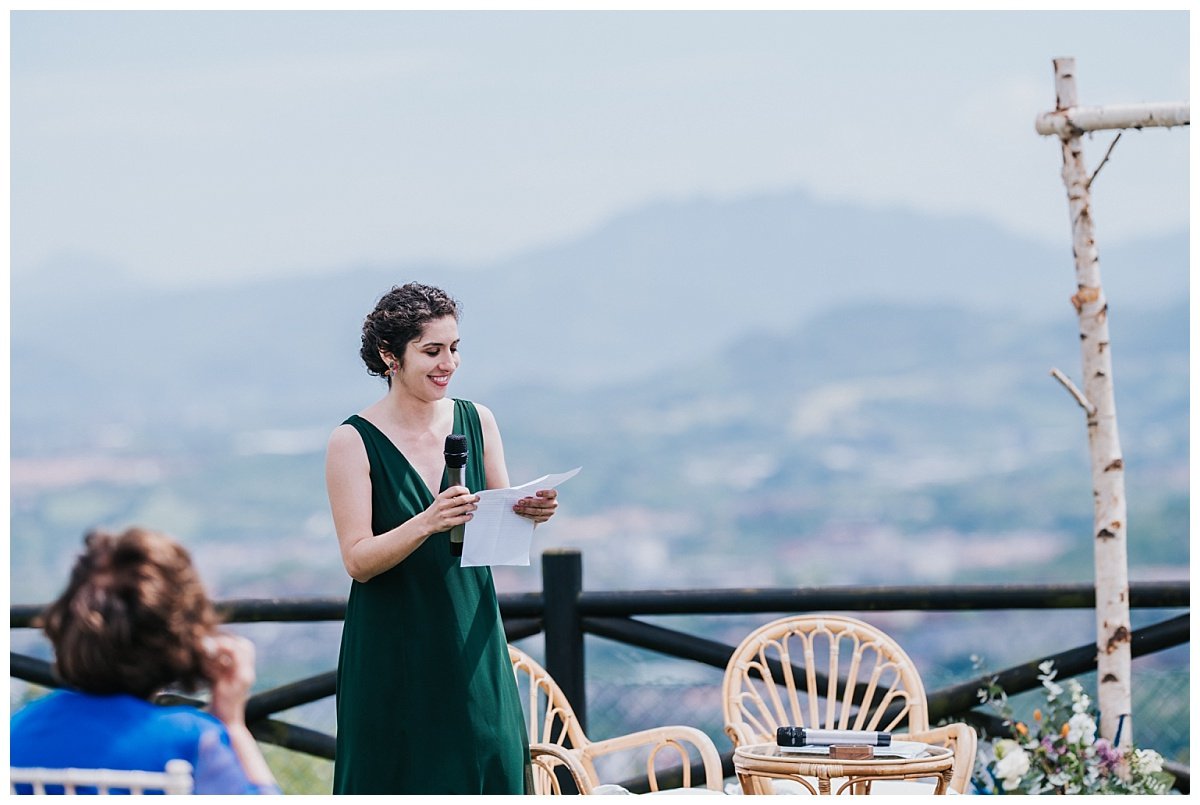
(662, 736)
(959, 737)
(548, 756)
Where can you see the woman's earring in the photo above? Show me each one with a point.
(395, 368)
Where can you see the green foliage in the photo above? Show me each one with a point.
(298, 773)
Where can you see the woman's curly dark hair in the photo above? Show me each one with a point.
(133, 617)
(399, 318)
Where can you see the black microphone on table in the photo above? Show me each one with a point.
(803, 736)
(456, 460)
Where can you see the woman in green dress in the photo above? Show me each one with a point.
(426, 697)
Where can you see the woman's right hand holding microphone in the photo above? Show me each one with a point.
(453, 506)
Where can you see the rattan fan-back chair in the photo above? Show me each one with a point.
(833, 672)
(556, 739)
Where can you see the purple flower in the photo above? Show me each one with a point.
(1052, 749)
(1108, 756)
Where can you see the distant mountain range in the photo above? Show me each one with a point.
(761, 393)
(904, 424)
(659, 287)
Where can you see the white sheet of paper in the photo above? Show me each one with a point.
(497, 535)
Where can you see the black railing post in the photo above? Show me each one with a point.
(562, 582)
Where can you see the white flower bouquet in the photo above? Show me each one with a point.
(1058, 751)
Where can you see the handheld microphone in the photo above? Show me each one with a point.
(802, 736)
(456, 459)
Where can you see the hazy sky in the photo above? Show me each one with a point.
(197, 145)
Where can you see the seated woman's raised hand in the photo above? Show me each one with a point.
(230, 669)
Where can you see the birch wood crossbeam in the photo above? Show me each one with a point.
(1078, 119)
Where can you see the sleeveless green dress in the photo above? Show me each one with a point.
(427, 701)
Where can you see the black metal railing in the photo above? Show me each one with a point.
(564, 612)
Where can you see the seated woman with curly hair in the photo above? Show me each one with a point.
(133, 620)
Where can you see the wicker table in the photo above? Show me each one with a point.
(754, 762)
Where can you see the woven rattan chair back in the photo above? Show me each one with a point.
(824, 672)
(551, 719)
(551, 722)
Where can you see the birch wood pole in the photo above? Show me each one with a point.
(1076, 119)
(1108, 467)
